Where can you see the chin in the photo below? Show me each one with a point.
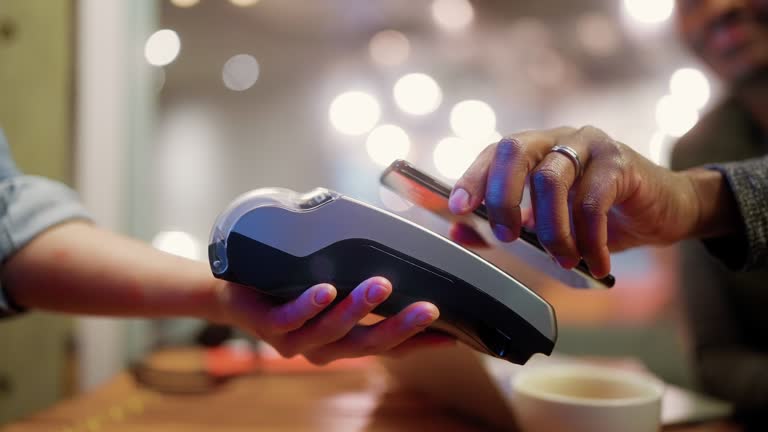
(750, 77)
(747, 69)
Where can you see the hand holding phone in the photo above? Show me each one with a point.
(430, 193)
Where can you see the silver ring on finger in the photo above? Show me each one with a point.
(571, 154)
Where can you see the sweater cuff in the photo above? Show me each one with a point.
(748, 248)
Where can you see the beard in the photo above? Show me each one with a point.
(753, 79)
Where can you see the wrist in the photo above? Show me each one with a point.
(217, 309)
(199, 295)
(716, 212)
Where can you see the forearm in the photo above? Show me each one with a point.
(79, 268)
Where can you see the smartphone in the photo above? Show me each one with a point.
(430, 193)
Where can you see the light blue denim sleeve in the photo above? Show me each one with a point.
(29, 205)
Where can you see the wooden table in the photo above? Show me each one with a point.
(353, 399)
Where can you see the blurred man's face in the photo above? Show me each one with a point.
(729, 35)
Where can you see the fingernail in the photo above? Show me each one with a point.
(459, 201)
(323, 296)
(421, 318)
(503, 233)
(376, 294)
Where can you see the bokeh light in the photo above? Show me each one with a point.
(184, 3)
(547, 68)
(452, 15)
(598, 34)
(453, 155)
(417, 94)
(649, 11)
(178, 243)
(674, 117)
(354, 112)
(473, 120)
(243, 3)
(389, 48)
(162, 47)
(690, 86)
(528, 34)
(240, 72)
(386, 143)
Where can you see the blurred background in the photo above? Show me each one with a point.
(160, 112)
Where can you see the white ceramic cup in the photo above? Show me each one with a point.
(578, 398)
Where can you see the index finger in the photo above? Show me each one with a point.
(499, 175)
(469, 190)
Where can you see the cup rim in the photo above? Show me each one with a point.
(647, 381)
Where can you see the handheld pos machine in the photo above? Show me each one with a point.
(281, 242)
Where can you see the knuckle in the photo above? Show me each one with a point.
(471, 179)
(498, 204)
(592, 133)
(614, 152)
(508, 149)
(547, 178)
(601, 143)
(590, 206)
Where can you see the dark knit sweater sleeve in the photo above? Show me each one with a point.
(748, 180)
